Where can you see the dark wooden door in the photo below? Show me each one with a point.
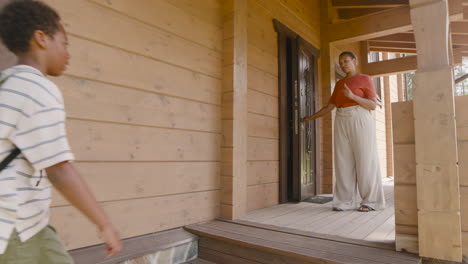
(307, 133)
(299, 154)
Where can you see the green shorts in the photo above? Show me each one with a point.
(42, 248)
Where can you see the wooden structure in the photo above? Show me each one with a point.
(174, 108)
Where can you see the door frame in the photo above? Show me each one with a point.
(285, 34)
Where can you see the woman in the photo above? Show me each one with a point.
(357, 167)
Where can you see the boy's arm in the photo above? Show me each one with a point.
(71, 185)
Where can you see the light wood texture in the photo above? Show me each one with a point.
(262, 172)
(319, 218)
(96, 141)
(174, 19)
(255, 243)
(262, 195)
(235, 104)
(368, 3)
(437, 177)
(327, 81)
(403, 122)
(388, 124)
(392, 66)
(148, 179)
(391, 21)
(137, 217)
(102, 63)
(140, 38)
(407, 243)
(405, 164)
(135, 107)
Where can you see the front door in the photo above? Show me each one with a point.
(298, 98)
(307, 135)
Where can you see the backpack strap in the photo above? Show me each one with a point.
(15, 151)
(9, 158)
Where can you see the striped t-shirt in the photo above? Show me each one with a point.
(32, 118)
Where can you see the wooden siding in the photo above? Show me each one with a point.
(143, 99)
(406, 218)
(263, 116)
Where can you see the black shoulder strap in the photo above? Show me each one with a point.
(9, 158)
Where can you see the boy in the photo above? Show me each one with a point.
(32, 118)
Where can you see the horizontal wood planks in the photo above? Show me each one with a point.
(304, 218)
(406, 212)
(143, 99)
(260, 245)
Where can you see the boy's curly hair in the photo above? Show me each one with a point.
(20, 18)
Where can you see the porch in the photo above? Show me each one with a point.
(304, 233)
(376, 228)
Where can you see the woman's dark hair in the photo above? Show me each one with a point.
(349, 53)
(20, 18)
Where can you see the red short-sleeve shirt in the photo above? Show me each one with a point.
(360, 84)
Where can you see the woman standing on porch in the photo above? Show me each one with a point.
(357, 167)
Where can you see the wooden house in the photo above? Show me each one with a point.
(187, 111)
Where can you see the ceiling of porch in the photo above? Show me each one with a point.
(344, 11)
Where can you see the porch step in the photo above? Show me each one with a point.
(233, 243)
(200, 261)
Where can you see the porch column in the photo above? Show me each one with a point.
(327, 73)
(388, 120)
(400, 84)
(437, 179)
(234, 112)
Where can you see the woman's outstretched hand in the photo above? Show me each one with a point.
(347, 92)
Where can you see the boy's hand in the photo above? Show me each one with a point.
(111, 237)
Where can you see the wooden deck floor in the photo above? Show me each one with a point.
(374, 228)
(235, 243)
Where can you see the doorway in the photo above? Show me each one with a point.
(298, 82)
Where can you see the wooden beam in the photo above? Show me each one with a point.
(394, 50)
(389, 67)
(396, 45)
(437, 178)
(399, 37)
(368, 3)
(348, 13)
(388, 125)
(326, 81)
(400, 86)
(392, 21)
(459, 27)
(460, 40)
(461, 78)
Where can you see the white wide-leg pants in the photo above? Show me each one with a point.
(357, 170)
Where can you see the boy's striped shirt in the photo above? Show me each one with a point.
(32, 117)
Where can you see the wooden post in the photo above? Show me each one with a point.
(388, 121)
(234, 147)
(364, 59)
(400, 84)
(325, 123)
(437, 179)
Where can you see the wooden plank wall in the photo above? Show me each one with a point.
(406, 217)
(263, 110)
(143, 97)
(406, 213)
